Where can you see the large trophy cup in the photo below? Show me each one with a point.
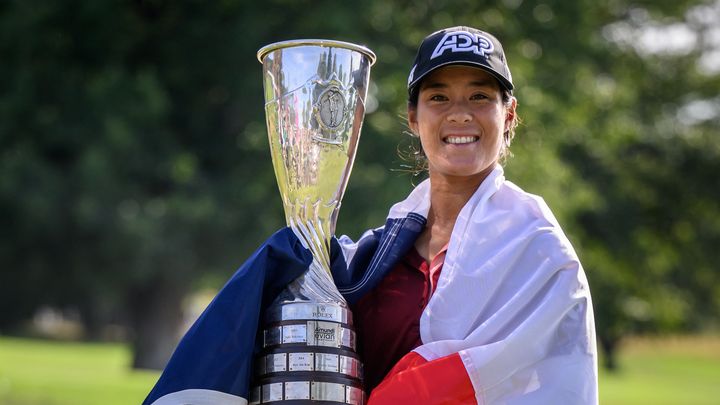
(314, 104)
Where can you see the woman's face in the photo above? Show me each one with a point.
(460, 119)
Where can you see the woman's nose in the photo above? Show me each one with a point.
(459, 113)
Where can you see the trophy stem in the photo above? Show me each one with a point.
(311, 287)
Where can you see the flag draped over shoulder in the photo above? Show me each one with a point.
(213, 362)
(511, 320)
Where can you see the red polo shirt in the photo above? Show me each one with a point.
(387, 319)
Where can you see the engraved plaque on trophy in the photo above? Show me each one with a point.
(314, 105)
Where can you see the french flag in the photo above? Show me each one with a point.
(212, 364)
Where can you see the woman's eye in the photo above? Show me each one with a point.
(438, 97)
(478, 97)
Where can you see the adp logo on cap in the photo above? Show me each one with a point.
(461, 41)
(464, 46)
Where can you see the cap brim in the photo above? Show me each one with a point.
(502, 80)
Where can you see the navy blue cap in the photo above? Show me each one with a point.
(461, 46)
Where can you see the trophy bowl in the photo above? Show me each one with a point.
(315, 94)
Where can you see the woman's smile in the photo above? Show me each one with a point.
(460, 140)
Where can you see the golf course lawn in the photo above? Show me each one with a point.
(677, 370)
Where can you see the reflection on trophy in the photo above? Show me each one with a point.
(315, 102)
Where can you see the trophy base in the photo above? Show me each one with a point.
(310, 389)
(308, 356)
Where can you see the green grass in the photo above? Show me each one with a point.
(32, 372)
(665, 371)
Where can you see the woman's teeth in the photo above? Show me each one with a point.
(461, 139)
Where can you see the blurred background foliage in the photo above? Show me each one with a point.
(134, 166)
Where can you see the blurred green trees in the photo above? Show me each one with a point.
(134, 162)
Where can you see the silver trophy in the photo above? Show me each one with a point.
(314, 105)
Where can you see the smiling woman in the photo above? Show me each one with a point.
(472, 293)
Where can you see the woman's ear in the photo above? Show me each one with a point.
(412, 120)
(510, 114)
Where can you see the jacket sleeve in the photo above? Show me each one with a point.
(415, 380)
